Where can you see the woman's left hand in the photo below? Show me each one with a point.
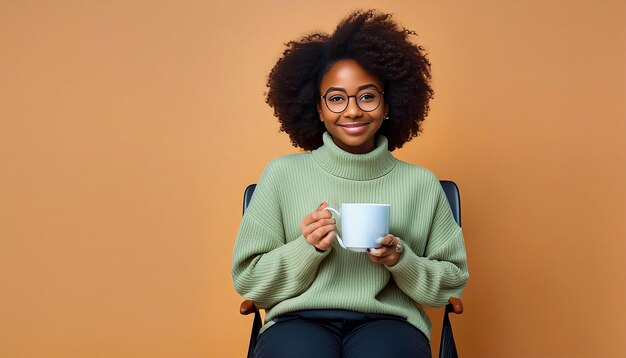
(387, 253)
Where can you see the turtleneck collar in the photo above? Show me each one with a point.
(346, 165)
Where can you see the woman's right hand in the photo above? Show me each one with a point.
(318, 228)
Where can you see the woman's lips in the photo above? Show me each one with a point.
(354, 128)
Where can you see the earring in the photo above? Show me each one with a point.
(385, 117)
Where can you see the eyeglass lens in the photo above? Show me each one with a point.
(367, 99)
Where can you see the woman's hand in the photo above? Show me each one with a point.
(388, 253)
(318, 228)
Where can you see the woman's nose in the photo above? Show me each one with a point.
(353, 109)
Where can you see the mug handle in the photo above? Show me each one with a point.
(333, 213)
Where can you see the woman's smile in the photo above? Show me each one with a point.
(354, 128)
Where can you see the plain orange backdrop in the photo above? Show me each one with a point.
(129, 129)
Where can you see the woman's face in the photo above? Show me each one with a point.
(354, 128)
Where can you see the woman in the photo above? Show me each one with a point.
(348, 99)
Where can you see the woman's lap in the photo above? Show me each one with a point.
(299, 337)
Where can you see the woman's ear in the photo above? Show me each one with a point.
(319, 112)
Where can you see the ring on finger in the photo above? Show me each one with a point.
(399, 248)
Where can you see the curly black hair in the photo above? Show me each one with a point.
(378, 44)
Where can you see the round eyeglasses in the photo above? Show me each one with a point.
(367, 99)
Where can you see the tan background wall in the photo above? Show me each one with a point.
(128, 130)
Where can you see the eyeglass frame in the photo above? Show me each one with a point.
(381, 93)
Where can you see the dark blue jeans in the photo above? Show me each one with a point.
(339, 333)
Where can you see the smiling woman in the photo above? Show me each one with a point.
(348, 99)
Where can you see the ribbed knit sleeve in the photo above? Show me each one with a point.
(267, 267)
(441, 272)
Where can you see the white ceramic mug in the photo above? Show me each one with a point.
(361, 225)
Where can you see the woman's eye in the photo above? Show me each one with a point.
(336, 98)
(366, 97)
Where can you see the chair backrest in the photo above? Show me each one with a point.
(247, 196)
(449, 187)
(454, 198)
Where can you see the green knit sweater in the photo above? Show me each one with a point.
(274, 266)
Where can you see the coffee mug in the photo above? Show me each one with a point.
(361, 225)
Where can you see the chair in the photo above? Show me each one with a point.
(447, 347)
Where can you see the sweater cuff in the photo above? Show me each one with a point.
(406, 262)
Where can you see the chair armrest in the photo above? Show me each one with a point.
(247, 307)
(454, 305)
